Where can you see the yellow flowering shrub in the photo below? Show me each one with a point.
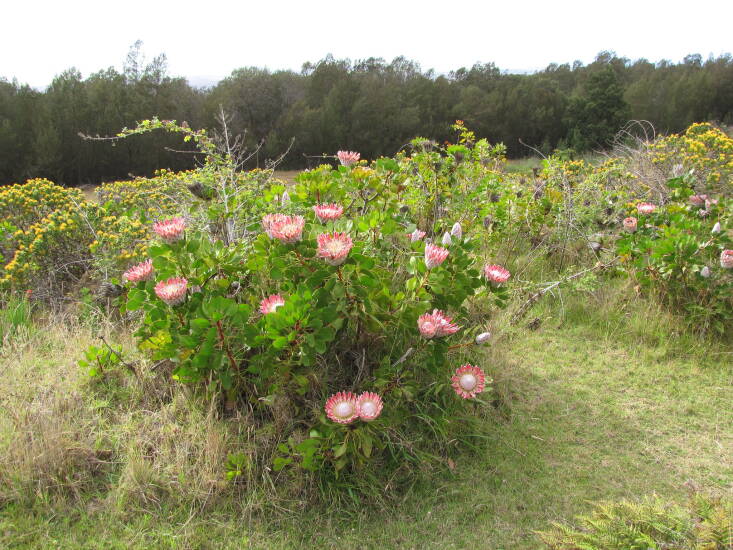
(703, 148)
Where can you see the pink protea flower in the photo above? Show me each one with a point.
(327, 212)
(170, 230)
(369, 406)
(630, 224)
(726, 259)
(172, 291)
(436, 325)
(269, 219)
(342, 408)
(140, 272)
(288, 229)
(468, 381)
(646, 208)
(271, 303)
(416, 235)
(334, 247)
(496, 274)
(434, 255)
(698, 200)
(347, 158)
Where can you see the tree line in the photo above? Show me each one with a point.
(370, 106)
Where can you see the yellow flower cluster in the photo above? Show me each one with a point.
(25, 204)
(703, 147)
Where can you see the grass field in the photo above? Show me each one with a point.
(598, 403)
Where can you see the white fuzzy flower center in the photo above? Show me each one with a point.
(368, 408)
(344, 409)
(468, 382)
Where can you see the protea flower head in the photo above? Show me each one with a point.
(496, 274)
(434, 255)
(140, 272)
(703, 213)
(172, 291)
(268, 220)
(342, 408)
(347, 158)
(327, 212)
(646, 207)
(726, 259)
(705, 272)
(436, 325)
(456, 231)
(416, 235)
(369, 406)
(288, 229)
(483, 338)
(630, 224)
(698, 200)
(170, 230)
(334, 247)
(285, 199)
(468, 381)
(271, 303)
(716, 228)
(446, 241)
(710, 202)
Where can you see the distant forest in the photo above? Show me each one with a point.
(369, 106)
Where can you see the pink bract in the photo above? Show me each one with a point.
(646, 208)
(496, 274)
(434, 255)
(271, 303)
(327, 212)
(369, 406)
(436, 325)
(140, 272)
(347, 158)
(468, 381)
(170, 230)
(172, 291)
(630, 224)
(288, 229)
(334, 247)
(342, 408)
(726, 259)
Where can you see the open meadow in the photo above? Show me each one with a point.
(435, 350)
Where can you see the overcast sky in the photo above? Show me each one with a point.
(209, 38)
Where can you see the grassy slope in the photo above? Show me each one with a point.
(598, 408)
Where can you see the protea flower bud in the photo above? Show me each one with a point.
(630, 224)
(483, 338)
(172, 291)
(646, 207)
(468, 381)
(436, 324)
(416, 235)
(271, 303)
(705, 272)
(716, 228)
(726, 259)
(285, 199)
(496, 274)
(347, 158)
(446, 241)
(170, 230)
(334, 247)
(457, 231)
(434, 255)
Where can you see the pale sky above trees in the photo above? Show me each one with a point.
(205, 41)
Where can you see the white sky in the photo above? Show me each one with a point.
(209, 38)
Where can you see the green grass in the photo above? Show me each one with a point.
(599, 403)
